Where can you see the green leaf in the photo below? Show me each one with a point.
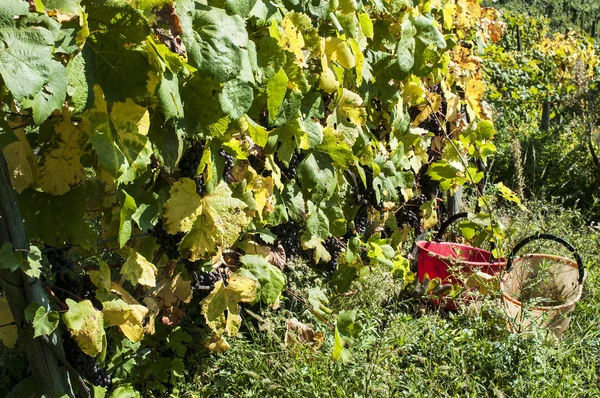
(101, 278)
(32, 266)
(99, 392)
(176, 341)
(318, 300)
(317, 175)
(405, 49)
(128, 208)
(27, 66)
(348, 326)
(257, 132)
(428, 33)
(8, 332)
(334, 145)
(86, 325)
(276, 89)
(236, 98)
(270, 278)
(169, 97)
(44, 322)
(216, 43)
(8, 258)
(239, 7)
(125, 392)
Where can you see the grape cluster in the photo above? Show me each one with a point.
(73, 286)
(429, 187)
(409, 213)
(229, 162)
(166, 241)
(334, 246)
(188, 165)
(289, 172)
(86, 365)
(289, 236)
(57, 257)
(361, 220)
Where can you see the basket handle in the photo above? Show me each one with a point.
(580, 266)
(446, 224)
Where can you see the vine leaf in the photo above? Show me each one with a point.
(220, 308)
(276, 89)
(183, 208)
(128, 209)
(132, 123)
(212, 222)
(473, 94)
(270, 278)
(405, 49)
(8, 331)
(101, 278)
(428, 33)
(171, 291)
(21, 162)
(351, 107)
(60, 168)
(86, 325)
(32, 265)
(121, 309)
(212, 49)
(44, 321)
(138, 270)
(8, 258)
(27, 66)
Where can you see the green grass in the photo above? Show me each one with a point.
(468, 353)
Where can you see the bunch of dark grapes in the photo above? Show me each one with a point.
(368, 193)
(75, 286)
(188, 165)
(229, 162)
(409, 214)
(361, 220)
(57, 257)
(166, 241)
(289, 172)
(334, 246)
(289, 235)
(429, 187)
(85, 365)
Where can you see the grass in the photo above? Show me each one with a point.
(400, 353)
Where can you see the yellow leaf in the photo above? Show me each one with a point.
(337, 50)
(8, 332)
(153, 311)
(328, 81)
(128, 116)
(293, 40)
(101, 278)
(262, 188)
(60, 167)
(469, 12)
(183, 207)
(217, 343)
(139, 270)
(122, 310)
(221, 308)
(473, 94)
(449, 12)
(351, 107)
(360, 60)
(174, 290)
(21, 162)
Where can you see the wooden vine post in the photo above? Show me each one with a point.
(49, 376)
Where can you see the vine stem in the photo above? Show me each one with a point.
(84, 389)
